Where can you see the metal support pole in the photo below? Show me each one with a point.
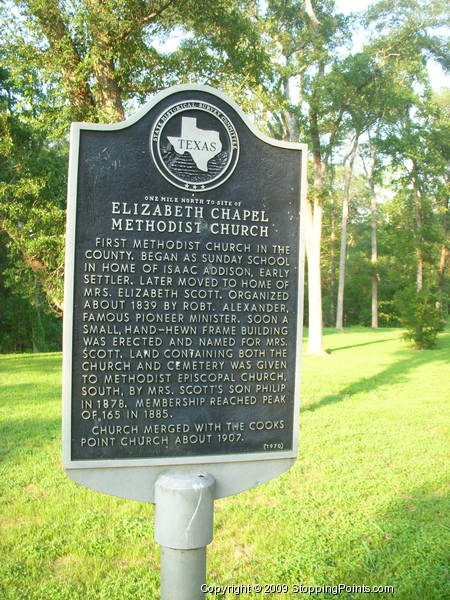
(183, 528)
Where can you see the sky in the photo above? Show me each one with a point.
(348, 6)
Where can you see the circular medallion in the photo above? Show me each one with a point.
(195, 146)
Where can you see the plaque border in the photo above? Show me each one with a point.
(238, 472)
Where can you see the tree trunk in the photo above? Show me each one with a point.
(374, 301)
(106, 90)
(333, 262)
(33, 335)
(417, 214)
(348, 170)
(59, 38)
(342, 257)
(314, 227)
(373, 236)
(36, 324)
(443, 257)
(313, 240)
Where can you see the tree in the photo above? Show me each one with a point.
(348, 170)
(26, 321)
(302, 43)
(32, 207)
(372, 173)
(287, 60)
(96, 56)
(439, 140)
(86, 60)
(314, 84)
(404, 32)
(422, 163)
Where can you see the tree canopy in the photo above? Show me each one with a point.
(292, 65)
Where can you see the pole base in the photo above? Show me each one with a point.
(183, 572)
(184, 527)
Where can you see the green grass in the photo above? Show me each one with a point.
(366, 502)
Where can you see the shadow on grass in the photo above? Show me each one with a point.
(404, 545)
(395, 373)
(409, 551)
(339, 348)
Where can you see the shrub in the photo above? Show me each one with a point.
(419, 315)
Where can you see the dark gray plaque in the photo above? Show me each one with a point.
(184, 280)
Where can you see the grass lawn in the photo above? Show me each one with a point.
(366, 502)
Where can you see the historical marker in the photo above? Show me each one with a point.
(183, 299)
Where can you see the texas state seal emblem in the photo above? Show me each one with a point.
(194, 145)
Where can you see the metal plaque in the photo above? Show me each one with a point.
(183, 297)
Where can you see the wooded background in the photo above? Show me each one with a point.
(354, 87)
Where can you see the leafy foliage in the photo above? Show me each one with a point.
(84, 60)
(32, 198)
(26, 321)
(419, 315)
(290, 63)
